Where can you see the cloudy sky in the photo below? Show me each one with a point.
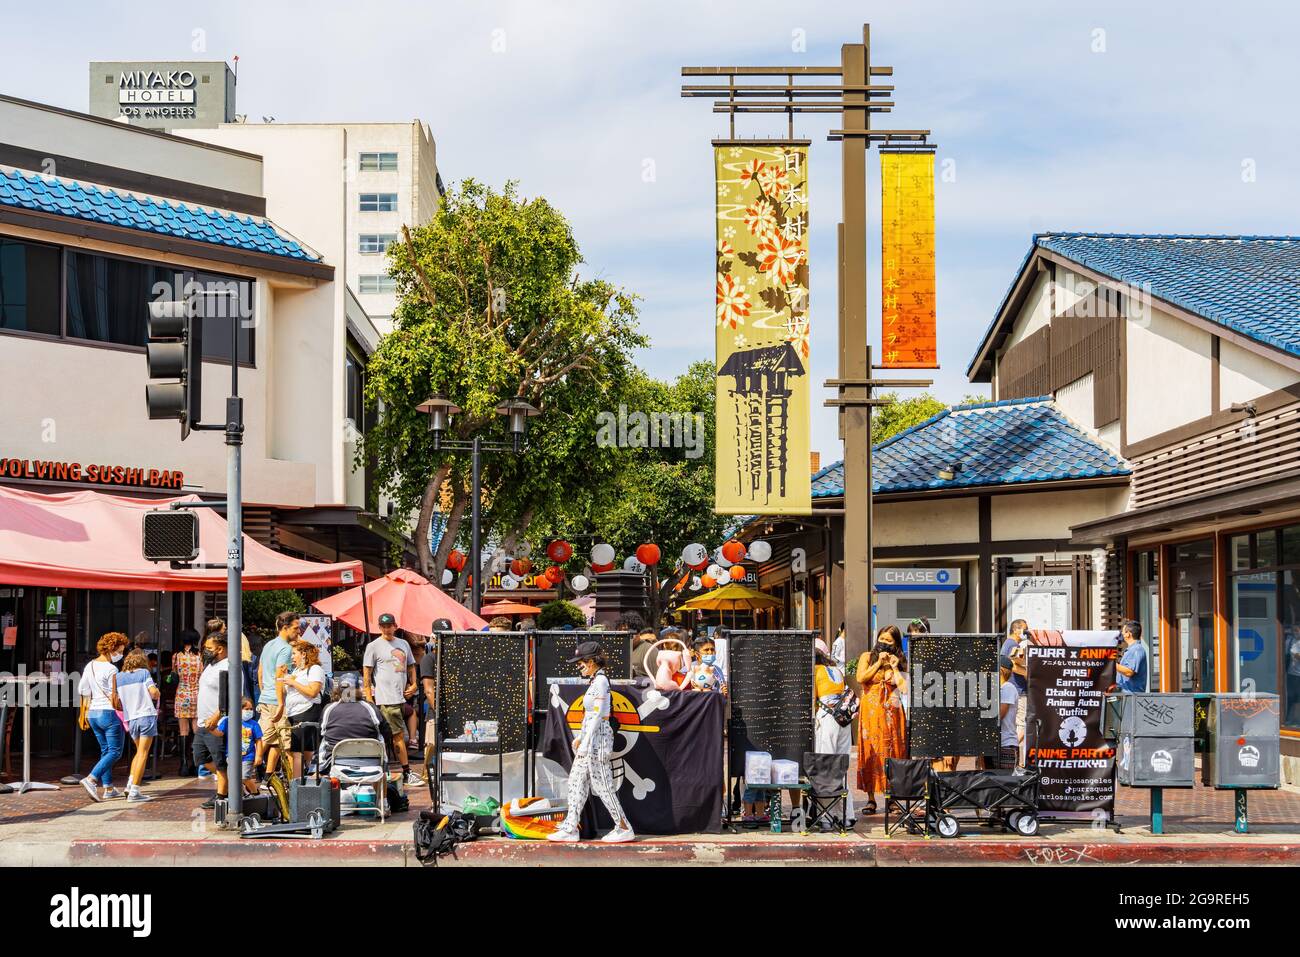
(1116, 117)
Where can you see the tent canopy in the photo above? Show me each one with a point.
(93, 540)
(410, 598)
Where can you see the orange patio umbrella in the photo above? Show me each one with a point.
(414, 601)
(508, 608)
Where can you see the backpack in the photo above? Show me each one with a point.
(397, 801)
(436, 835)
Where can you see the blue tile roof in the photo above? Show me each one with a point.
(63, 197)
(1011, 442)
(1248, 284)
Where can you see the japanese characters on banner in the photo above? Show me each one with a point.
(1063, 733)
(763, 394)
(907, 303)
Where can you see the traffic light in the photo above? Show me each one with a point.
(175, 351)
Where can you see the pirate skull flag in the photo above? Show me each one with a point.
(667, 758)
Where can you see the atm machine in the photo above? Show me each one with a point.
(906, 593)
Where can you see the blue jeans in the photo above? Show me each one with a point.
(108, 732)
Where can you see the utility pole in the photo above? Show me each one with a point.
(854, 97)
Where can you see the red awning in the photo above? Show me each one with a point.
(93, 540)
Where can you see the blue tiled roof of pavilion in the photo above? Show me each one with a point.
(63, 197)
(1011, 442)
(1248, 284)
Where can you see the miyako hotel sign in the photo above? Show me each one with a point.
(164, 94)
(155, 88)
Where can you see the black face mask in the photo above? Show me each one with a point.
(209, 656)
(883, 649)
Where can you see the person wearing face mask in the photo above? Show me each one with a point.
(209, 751)
(592, 746)
(705, 674)
(98, 680)
(881, 674)
(251, 746)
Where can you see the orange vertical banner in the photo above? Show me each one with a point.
(907, 298)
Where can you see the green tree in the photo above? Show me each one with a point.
(901, 414)
(261, 607)
(491, 307)
(557, 614)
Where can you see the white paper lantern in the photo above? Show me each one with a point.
(602, 554)
(579, 583)
(509, 582)
(633, 564)
(447, 576)
(523, 550)
(696, 584)
(717, 572)
(722, 559)
(694, 554)
(760, 551)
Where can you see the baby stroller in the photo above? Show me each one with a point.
(1010, 798)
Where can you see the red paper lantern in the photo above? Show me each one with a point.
(708, 581)
(520, 567)
(555, 574)
(647, 554)
(737, 572)
(456, 560)
(733, 551)
(559, 551)
(602, 568)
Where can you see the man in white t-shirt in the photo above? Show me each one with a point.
(387, 681)
(209, 748)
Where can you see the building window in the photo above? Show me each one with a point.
(378, 162)
(378, 202)
(376, 242)
(377, 284)
(1264, 618)
(29, 287)
(1147, 595)
(354, 379)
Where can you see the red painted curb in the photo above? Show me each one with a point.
(668, 852)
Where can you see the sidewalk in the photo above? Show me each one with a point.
(66, 828)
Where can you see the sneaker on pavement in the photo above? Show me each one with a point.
(412, 779)
(209, 804)
(92, 788)
(563, 835)
(113, 793)
(620, 835)
(137, 797)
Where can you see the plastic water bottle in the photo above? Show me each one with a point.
(469, 731)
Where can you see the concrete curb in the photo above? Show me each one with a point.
(648, 853)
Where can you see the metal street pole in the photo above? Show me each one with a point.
(476, 543)
(234, 587)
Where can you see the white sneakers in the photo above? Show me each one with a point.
(564, 834)
(135, 796)
(92, 788)
(620, 835)
(112, 793)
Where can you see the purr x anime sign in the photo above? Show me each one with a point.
(762, 329)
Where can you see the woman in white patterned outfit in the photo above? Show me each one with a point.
(592, 746)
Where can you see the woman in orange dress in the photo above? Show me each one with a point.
(881, 674)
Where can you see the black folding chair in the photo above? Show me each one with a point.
(826, 802)
(907, 782)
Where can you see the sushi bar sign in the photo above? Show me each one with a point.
(96, 473)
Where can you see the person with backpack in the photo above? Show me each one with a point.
(592, 747)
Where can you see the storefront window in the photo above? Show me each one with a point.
(29, 287)
(1148, 614)
(1254, 632)
(1240, 551)
(1266, 549)
(1291, 545)
(1291, 648)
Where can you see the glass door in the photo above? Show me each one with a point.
(1193, 574)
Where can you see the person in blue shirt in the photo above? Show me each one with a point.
(1131, 672)
(250, 745)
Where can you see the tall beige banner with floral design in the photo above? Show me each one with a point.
(763, 395)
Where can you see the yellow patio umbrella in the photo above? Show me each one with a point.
(732, 598)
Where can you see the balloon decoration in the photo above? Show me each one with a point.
(509, 582)
(559, 551)
(447, 576)
(520, 567)
(647, 554)
(717, 571)
(633, 564)
(708, 581)
(579, 583)
(555, 574)
(737, 572)
(602, 554)
(733, 551)
(759, 551)
(456, 560)
(695, 556)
